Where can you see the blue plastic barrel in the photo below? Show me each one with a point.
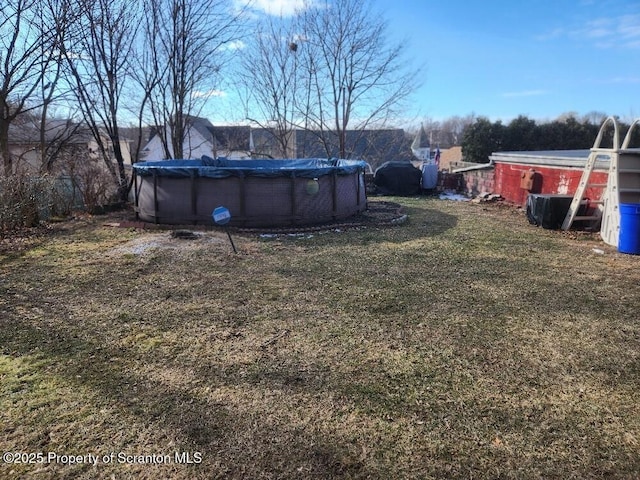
(629, 238)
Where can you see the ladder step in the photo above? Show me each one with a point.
(592, 202)
(578, 196)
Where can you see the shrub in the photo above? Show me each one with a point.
(24, 201)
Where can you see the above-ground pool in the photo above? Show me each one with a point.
(258, 193)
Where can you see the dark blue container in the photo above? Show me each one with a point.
(629, 238)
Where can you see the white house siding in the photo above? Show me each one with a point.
(194, 146)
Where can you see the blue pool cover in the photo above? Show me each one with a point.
(222, 168)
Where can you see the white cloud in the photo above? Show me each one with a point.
(525, 93)
(208, 93)
(603, 32)
(300, 38)
(621, 31)
(285, 8)
(629, 29)
(68, 55)
(234, 45)
(623, 80)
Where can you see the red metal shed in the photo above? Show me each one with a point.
(548, 172)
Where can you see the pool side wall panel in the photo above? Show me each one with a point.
(252, 201)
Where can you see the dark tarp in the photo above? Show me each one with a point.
(397, 178)
(222, 168)
(548, 210)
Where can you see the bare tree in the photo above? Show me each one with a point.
(55, 134)
(189, 41)
(27, 50)
(354, 75)
(97, 57)
(328, 70)
(43, 141)
(448, 132)
(41, 137)
(269, 75)
(594, 117)
(453, 129)
(147, 73)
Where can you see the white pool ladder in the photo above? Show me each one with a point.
(623, 183)
(579, 196)
(623, 186)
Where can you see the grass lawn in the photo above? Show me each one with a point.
(464, 343)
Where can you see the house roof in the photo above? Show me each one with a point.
(373, 146)
(263, 137)
(55, 130)
(226, 137)
(265, 143)
(232, 137)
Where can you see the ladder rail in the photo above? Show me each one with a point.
(616, 134)
(578, 197)
(627, 138)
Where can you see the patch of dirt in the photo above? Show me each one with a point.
(177, 239)
(185, 235)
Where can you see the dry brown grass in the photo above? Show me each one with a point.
(462, 344)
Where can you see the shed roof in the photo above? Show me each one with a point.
(551, 158)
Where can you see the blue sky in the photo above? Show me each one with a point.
(539, 58)
(504, 58)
